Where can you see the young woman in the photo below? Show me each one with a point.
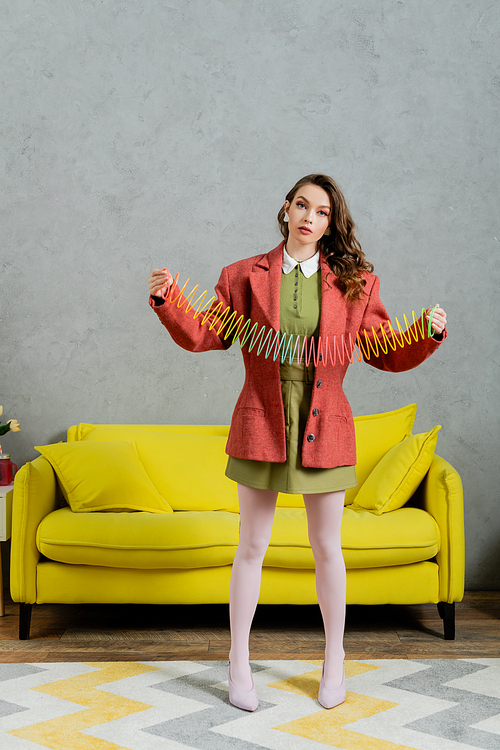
(292, 429)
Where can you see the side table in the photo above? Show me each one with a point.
(6, 495)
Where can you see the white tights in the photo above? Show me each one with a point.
(324, 516)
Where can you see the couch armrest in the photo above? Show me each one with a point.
(442, 497)
(36, 494)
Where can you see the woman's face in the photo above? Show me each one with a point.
(309, 214)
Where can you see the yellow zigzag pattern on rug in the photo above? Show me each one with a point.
(327, 727)
(101, 707)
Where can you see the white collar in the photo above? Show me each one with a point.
(308, 267)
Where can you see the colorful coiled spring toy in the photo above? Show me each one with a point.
(269, 342)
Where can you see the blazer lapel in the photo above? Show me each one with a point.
(265, 282)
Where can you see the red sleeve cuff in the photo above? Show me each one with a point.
(155, 301)
(439, 337)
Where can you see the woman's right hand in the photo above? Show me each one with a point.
(160, 282)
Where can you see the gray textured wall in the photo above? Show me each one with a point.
(143, 134)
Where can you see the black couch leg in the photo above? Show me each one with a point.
(24, 621)
(447, 613)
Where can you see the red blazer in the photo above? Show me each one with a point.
(252, 288)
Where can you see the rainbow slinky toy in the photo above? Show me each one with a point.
(289, 346)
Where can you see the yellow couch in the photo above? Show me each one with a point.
(402, 547)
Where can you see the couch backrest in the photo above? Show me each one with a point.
(186, 463)
(79, 431)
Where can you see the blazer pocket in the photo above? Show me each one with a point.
(336, 419)
(250, 411)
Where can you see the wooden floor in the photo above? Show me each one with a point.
(131, 632)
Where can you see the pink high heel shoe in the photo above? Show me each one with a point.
(247, 701)
(330, 698)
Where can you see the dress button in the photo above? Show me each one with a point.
(296, 283)
(295, 299)
(296, 274)
(295, 307)
(310, 438)
(318, 384)
(315, 412)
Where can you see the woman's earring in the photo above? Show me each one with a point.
(285, 218)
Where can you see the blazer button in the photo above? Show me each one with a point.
(318, 384)
(315, 412)
(310, 438)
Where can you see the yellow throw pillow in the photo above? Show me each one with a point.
(186, 468)
(103, 476)
(398, 474)
(375, 435)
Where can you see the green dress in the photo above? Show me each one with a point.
(300, 311)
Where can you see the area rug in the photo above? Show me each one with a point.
(392, 704)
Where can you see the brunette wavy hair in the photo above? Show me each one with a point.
(340, 246)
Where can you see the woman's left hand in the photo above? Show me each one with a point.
(438, 319)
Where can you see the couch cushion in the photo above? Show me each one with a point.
(404, 536)
(140, 540)
(190, 539)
